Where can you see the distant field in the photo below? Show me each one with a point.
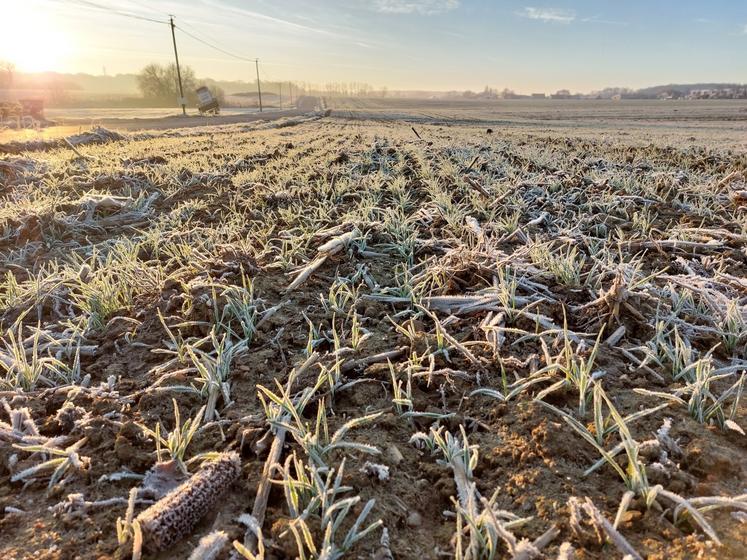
(715, 121)
(63, 115)
(551, 110)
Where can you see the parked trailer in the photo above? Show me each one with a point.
(33, 108)
(24, 113)
(10, 109)
(207, 104)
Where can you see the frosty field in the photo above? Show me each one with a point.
(383, 333)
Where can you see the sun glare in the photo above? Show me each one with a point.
(31, 40)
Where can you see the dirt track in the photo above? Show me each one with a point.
(188, 121)
(74, 125)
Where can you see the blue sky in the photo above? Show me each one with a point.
(402, 44)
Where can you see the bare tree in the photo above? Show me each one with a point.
(7, 69)
(160, 84)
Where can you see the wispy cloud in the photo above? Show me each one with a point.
(225, 7)
(547, 15)
(425, 7)
(557, 15)
(598, 19)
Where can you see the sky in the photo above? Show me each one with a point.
(528, 46)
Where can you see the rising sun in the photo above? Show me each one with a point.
(31, 40)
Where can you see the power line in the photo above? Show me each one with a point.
(231, 54)
(148, 8)
(97, 6)
(212, 46)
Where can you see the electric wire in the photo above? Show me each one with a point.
(95, 5)
(212, 46)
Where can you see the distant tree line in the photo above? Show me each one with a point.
(160, 85)
(341, 89)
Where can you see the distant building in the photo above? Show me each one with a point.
(565, 94)
(538, 96)
(719, 93)
(670, 94)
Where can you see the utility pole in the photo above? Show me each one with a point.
(290, 91)
(280, 94)
(259, 88)
(178, 71)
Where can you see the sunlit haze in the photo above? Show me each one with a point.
(402, 44)
(35, 39)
